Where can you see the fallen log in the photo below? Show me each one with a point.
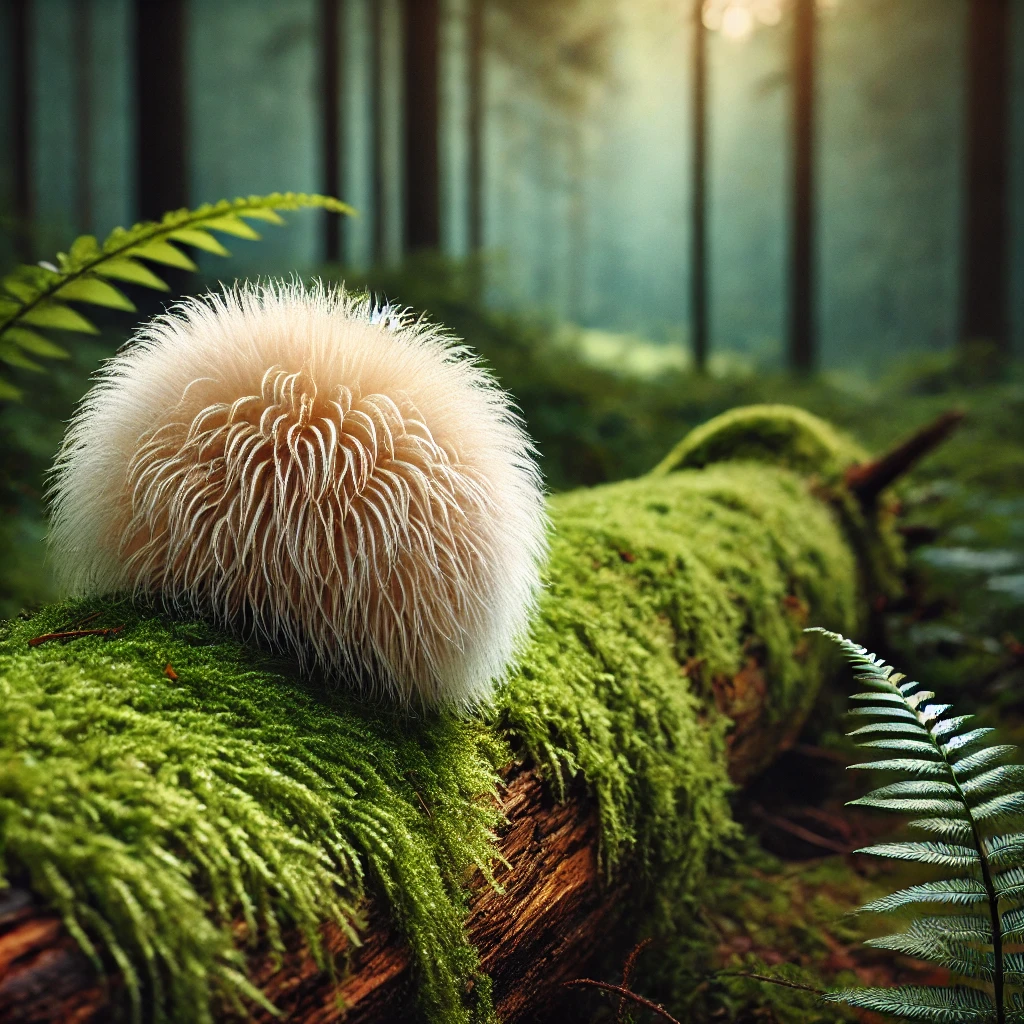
(652, 594)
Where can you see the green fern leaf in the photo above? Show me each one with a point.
(199, 239)
(993, 781)
(96, 292)
(13, 356)
(35, 343)
(892, 712)
(957, 891)
(926, 853)
(889, 698)
(946, 944)
(945, 828)
(47, 313)
(36, 296)
(915, 787)
(1009, 880)
(941, 1005)
(903, 728)
(982, 759)
(999, 808)
(965, 741)
(915, 766)
(950, 725)
(920, 746)
(966, 928)
(132, 272)
(159, 251)
(1005, 851)
(911, 805)
(969, 792)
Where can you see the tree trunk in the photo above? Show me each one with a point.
(802, 342)
(162, 153)
(422, 122)
(475, 44)
(986, 234)
(698, 242)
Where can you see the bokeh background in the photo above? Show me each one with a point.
(558, 134)
(639, 212)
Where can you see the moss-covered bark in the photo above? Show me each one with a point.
(155, 807)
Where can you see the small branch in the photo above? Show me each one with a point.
(799, 831)
(660, 1011)
(773, 981)
(869, 479)
(627, 975)
(73, 634)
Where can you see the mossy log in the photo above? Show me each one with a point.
(191, 820)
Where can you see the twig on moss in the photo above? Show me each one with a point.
(73, 634)
(869, 479)
(606, 986)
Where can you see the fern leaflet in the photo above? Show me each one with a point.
(971, 807)
(36, 297)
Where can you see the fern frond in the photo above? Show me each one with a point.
(970, 797)
(942, 1005)
(911, 806)
(942, 854)
(38, 296)
(956, 891)
(945, 828)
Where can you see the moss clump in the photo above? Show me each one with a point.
(781, 435)
(154, 811)
(645, 577)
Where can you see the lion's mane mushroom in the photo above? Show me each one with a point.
(340, 480)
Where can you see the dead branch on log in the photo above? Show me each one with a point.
(868, 480)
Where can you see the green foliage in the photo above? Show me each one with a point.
(37, 297)
(969, 807)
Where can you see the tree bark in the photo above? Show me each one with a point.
(422, 124)
(986, 230)
(803, 354)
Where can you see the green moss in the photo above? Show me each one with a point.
(645, 576)
(780, 435)
(153, 812)
(783, 435)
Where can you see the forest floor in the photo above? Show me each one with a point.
(780, 909)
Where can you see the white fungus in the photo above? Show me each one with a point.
(341, 481)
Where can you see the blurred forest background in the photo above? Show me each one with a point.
(639, 212)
